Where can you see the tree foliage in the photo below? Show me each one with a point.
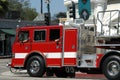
(3, 7)
(61, 15)
(14, 5)
(26, 13)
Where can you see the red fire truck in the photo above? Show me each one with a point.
(64, 50)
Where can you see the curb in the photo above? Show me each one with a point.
(5, 57)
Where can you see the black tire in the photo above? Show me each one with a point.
(35, 66)
(71, 75)
(49, 72)
(111, 67)
(94, 71)
(60, 72)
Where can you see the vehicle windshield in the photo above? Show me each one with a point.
(23, 36)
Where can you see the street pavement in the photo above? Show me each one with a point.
(5, 74)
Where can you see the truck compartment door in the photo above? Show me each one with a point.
(70, 47)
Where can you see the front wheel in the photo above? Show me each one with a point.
(111, 67)
(35, 66)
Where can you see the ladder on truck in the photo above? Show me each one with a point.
(109, 36)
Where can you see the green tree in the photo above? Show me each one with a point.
(61, 15)
(27, 13)
(3, 7)
(14, 5)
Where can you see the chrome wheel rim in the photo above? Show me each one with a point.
(113, 68)
(34, 66)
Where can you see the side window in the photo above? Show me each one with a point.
(23, 36)
(39, 35)
(54, 34)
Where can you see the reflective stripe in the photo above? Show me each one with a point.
(20, 55)
(70, 55)
(50, 55)
(59, 55)
(53, 55)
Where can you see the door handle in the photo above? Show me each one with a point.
(73, 46)
(57, 47)
(26, 47)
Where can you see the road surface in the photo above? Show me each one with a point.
(5, 74)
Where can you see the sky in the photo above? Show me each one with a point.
(56, 6)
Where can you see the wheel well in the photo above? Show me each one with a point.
(111, 53)
(33, 54)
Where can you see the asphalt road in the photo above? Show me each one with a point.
(5, 74)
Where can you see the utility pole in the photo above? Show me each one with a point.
(48, 8)
(41, 6)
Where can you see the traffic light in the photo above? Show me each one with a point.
(84, 9)
(72, 11)
(47, 18)
(84, 1)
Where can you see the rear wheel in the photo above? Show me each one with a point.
(35, 66)
(111, 67)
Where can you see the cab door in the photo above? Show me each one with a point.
(21, 47)
(54, 55)
(48, 42)
(70, 47)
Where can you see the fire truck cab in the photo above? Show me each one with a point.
(39, 47)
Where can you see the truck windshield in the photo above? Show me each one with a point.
(23, 36)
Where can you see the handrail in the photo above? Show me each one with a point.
(112, 14)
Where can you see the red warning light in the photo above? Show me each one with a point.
(84, 1)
